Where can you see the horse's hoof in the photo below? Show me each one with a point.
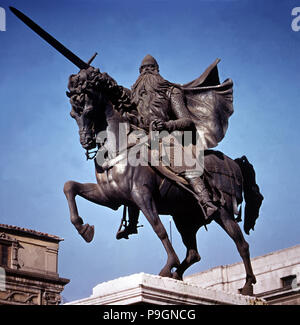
(247, 290)
(165, 274)
(87, 232)
(176, 276)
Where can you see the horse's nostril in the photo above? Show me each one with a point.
(85, 137)
(87, 141)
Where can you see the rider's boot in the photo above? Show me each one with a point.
(204, 200)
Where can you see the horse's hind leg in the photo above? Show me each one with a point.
(145, 202)
(188, 235)
(88, 191)
(234, 231)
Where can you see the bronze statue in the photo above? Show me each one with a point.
(193, 197)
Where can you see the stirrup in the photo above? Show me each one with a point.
(124, 233)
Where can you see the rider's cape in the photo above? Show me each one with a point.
(209, 103)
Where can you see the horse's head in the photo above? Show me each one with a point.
(86, 100)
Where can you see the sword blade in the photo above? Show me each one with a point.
(50, 39)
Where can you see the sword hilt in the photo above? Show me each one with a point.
(92, 58)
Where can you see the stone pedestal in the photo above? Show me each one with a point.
(144, 289)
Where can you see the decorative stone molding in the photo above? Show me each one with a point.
(51, 298)
(5, 237)
(19, 297)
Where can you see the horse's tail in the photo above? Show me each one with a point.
(252, 195)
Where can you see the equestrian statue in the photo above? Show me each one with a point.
(152, 152)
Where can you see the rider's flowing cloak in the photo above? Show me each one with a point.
(209, 103)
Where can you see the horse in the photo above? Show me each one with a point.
(96, 100)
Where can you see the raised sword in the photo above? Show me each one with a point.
(52, 41)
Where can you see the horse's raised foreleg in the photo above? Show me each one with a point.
(146, 204)
(88, 191)
(234, 231)
(188, 235)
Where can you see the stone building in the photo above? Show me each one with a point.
(29, 267)
(277, 275)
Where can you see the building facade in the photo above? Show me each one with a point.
(277, 275)
(29, 267)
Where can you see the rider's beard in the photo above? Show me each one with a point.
(150, 91)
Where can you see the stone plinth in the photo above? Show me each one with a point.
(144, 288)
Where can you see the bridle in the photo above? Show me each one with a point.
(90, 155)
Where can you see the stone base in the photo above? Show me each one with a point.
(144, 288)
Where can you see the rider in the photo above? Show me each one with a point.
(161, 104)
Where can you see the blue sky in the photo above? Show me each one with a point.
(40, 148)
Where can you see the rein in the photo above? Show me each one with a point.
(90, 155)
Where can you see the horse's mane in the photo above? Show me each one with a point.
(93, 81)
